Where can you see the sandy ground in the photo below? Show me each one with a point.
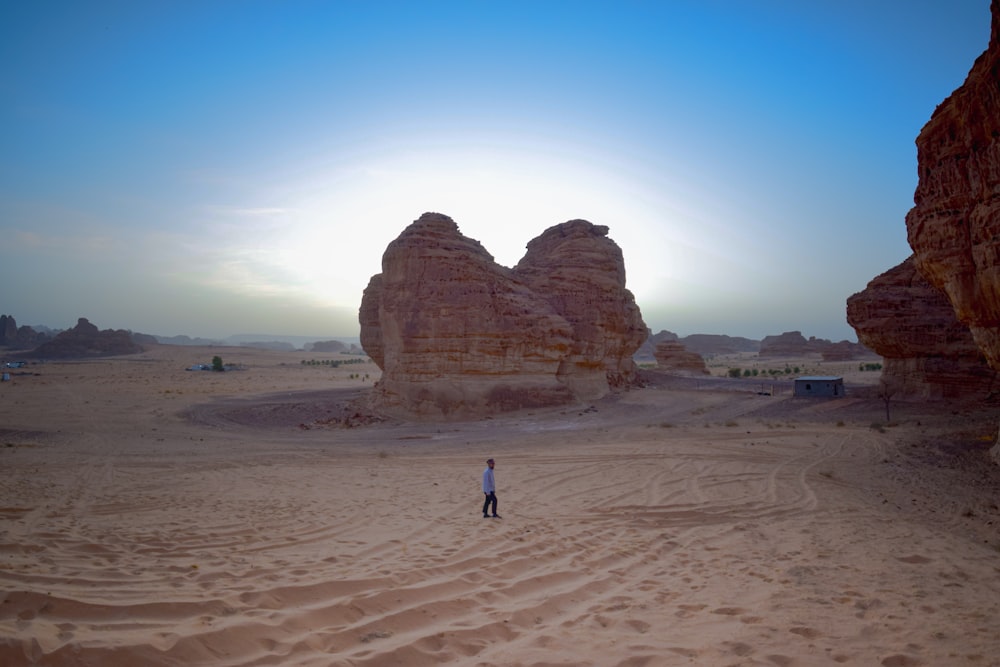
(155, 516)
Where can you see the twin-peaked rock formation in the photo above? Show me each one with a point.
(458, 335)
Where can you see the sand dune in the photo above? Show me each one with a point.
(153, 516)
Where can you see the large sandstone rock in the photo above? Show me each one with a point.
(674, 357)
(458, 335)
(580, 273)
(928, 353)
(954, 226)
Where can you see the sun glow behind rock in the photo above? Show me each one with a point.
(325, 234)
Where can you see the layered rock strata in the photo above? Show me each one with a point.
(927, 352)
(954, 226)
(458, 335)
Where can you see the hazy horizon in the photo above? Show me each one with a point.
(299, 338)
(214, 168)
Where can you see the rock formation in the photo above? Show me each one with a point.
(954, 227)
(326, 346)
(787, 344)
(458, 335)
(85, 340)
(19, 338)
(705, 344)
(794, 344)
(674, 357)
(928, 353)
(8, 329)
(702, 344)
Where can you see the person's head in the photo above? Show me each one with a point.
(489, 462)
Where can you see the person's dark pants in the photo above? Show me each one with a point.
(491, 499)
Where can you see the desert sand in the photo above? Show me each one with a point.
(157, 516)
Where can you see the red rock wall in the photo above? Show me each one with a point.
(954, 227)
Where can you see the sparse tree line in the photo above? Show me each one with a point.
(869, 367)
(755, 372)
(333, 363)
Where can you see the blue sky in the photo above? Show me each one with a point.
(214, 168)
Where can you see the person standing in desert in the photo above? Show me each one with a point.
(490, 490)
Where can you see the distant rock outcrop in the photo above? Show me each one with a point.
(458, 335)
(19, 338)
(928, 353)
(708, 344)
(326, 346)
(702, 344)
(794, 344)
(791, 344)
(144, 339)
(674, 357)
(85, 340)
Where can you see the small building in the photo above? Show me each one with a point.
(825, 386)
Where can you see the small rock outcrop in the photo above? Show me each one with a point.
(327, 346)
(928, 353)
(85, 340)
(458, 335)
(673, 357)
(647, 351)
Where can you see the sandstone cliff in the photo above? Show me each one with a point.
(458, 335)
(928, 353)
(954, 226)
